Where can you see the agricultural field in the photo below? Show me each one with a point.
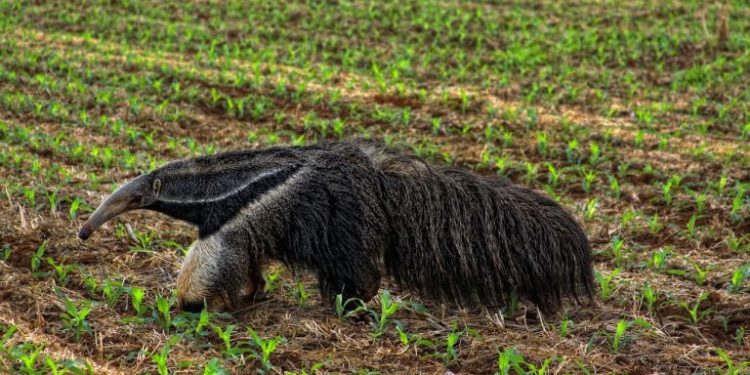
(634, 115)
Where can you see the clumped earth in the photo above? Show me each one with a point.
(634, 115)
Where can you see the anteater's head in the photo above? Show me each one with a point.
(138, 193)
(211, 193)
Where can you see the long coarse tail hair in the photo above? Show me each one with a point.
(472, 240)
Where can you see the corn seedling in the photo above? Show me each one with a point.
(565, 326)
(450, 355)
(272, 281)
(163, 313)
(301, 294)
(266, 348)
(349, 308)
(225, 335)
(620, 339)
(161, 357)
(74, 318)
(654, 226)
(731, 368)
(700, 274)
(75, 206)
(213, 367)
(606, 284)
(36, 258)
(649, 296)
(62, 271)
(388, 307)
(509, 359)
(112, 291)
(738, 278)
(5, 253)
(695, 314)
(136, 299)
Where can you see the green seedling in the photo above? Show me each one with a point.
(738, 278)
(163, 313)
(553, 175)
(731, 368)
(690, 226)
(616, 248)
(700, 274)
(266, 347)
(739, 336)
(591, 207)
(649, 295)
(5, 253)
(226, 337)
(136, 298)
(738, 244)
(144, 242)
(658, 260)
(349, 308)
(29, 358)
(695, 314)
(112, 291)
(388, 307)
(204, 320)
(619, 339)
(36, 259)
(654, 226)
(75, 206)
(301, 294)
(541, 143)
(614, 187)
(213, 367)
(509, 359)
(606, 284)
(589, 177)
(74, 318)
(8, 332)
(565, 325)
(272, 281)
(62, 271)
(161, 358)
(451, 354)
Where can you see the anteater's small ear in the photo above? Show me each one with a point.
(156, 186)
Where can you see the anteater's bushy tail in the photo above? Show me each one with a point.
(473, 240)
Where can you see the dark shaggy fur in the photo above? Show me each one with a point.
(352, 212)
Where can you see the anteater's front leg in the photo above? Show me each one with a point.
(217, 267)
(256, 286)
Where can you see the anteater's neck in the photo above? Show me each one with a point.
(210, 197)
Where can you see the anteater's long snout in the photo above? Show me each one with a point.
(119, 202)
